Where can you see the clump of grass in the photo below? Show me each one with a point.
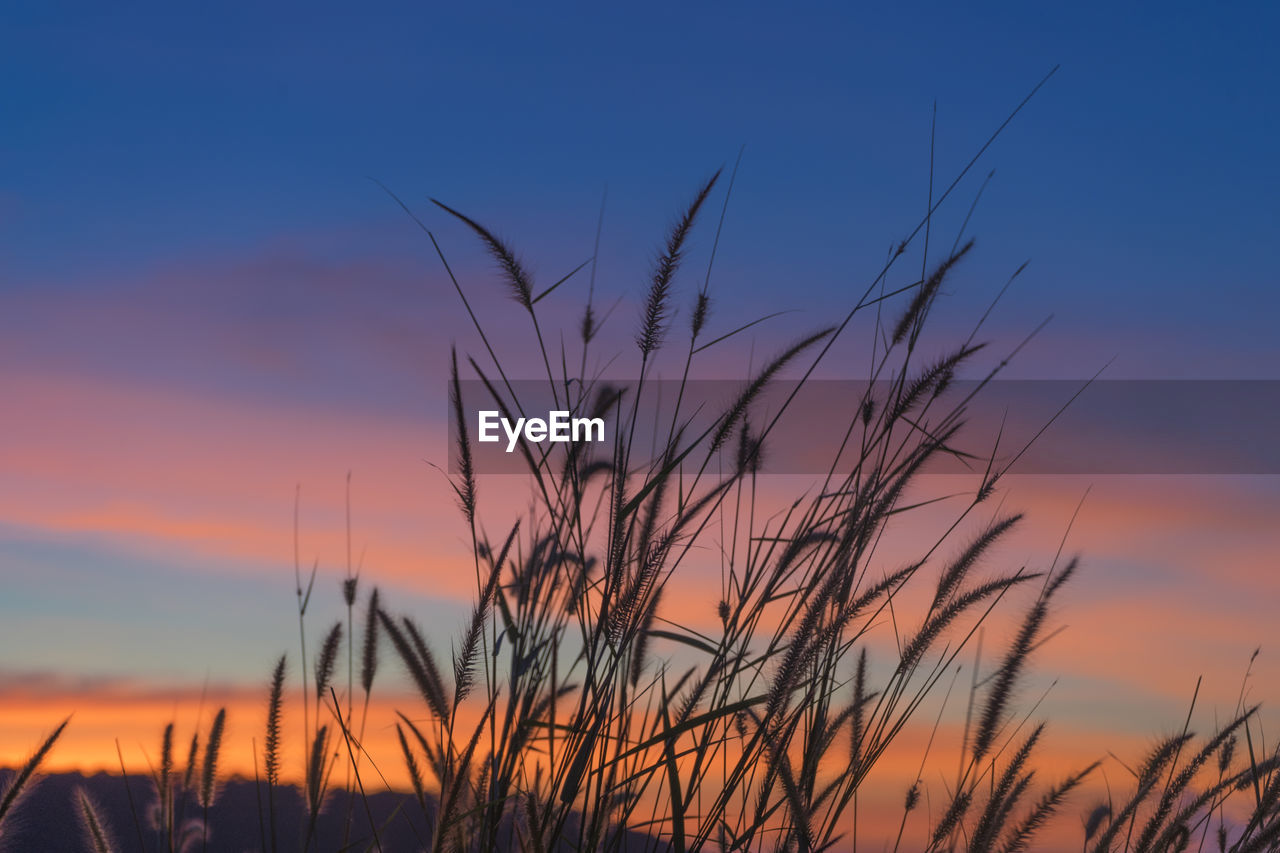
(600, 719)
(599, 723)
(1178, 798)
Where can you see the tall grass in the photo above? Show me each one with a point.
(588, 735)
(575, 711)
(596, 722)
(600, 721)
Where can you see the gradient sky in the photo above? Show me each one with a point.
(204, 301)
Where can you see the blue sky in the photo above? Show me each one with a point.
(1139, 182)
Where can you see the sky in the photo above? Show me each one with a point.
(207, 303)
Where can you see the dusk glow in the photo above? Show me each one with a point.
(212, 306)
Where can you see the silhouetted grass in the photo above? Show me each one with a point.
(589, 733)
(600, 724)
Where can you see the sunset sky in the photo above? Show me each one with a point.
(206, 303)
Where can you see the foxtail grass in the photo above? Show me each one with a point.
(574, 711)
